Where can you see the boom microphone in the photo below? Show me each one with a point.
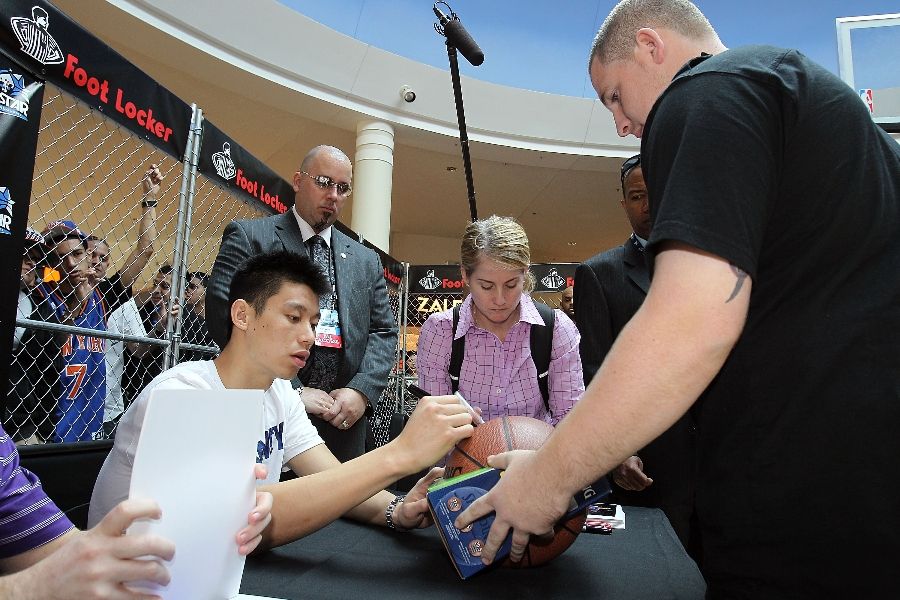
(458, 37)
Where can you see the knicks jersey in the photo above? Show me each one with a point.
(82, 391)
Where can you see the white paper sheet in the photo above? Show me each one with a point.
(195, 457)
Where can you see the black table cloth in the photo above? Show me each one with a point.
(347, 560)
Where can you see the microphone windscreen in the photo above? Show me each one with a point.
(458, 37)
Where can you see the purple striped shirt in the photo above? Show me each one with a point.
(28, 518)
(500, 377)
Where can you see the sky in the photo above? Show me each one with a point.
(543, 45)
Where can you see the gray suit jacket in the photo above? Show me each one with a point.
(367, 323)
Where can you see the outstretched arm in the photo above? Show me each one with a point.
(142, 252)
(329, 489)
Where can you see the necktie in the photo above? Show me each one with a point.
(321, 255)
(324, 361)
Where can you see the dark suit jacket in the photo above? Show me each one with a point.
(367, 323)
(609, 288)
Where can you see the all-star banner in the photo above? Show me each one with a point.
(435, 279)
(57, 49)
(446, 279)
(224, 160)
(21, 96)
(436, 288)
(553, 277)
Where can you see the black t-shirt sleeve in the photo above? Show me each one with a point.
(711, 161)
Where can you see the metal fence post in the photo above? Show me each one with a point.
(182, 235)
(400, 393)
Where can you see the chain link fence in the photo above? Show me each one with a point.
(84, 345)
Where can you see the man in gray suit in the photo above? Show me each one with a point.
(357, 336)
(609, 288)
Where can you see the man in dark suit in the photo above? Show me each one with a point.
(357, 336)
(609, 288)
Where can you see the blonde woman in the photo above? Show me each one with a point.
(498, 374)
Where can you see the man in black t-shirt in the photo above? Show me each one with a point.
(775, 301)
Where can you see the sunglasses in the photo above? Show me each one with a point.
(325, 182)
(628, 165)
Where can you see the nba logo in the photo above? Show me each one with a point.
(866, 96)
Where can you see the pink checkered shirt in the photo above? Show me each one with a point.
(500, 377)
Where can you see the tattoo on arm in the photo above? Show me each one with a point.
(741, 277)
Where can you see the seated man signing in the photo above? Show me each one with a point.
(274, 311)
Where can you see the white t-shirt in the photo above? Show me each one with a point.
(287, 432)
(125, 320)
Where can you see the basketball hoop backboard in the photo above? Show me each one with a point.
(869, 61)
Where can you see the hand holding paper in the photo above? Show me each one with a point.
(196, 458)
(250, 536)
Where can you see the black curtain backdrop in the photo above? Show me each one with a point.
(21, 96)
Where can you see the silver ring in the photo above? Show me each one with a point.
(345, 425)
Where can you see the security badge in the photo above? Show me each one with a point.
(328, 331)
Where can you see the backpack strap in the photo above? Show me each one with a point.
(457, 352)
(541, 348)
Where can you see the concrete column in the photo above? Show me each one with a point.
(373, 169)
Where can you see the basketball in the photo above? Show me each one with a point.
(514, 433)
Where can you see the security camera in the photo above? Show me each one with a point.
(408, 94)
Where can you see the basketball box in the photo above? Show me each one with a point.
(448, 498)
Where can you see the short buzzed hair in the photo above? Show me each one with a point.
(616, 38)
(312, 154)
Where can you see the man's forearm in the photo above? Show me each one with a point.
(660, 363)
(306, 504)
(142, 252)
(147, 232)
(21, 562)
(371, 511)
(21, 586)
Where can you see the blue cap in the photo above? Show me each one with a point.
(57, 231)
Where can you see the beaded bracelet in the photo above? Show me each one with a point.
(389, 512)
